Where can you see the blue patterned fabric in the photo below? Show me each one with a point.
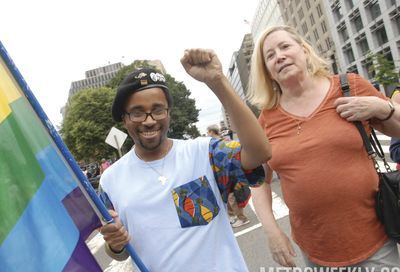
(228, 172)
(195, 203)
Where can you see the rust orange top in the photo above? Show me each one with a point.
(327, 180)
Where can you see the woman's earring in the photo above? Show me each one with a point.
(309, 66)
(275, 86)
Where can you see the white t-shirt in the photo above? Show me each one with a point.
(181, 225)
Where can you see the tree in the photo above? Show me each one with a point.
(184, 113)
(383, 71)
(87, 123)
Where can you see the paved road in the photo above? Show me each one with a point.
(251, 237)
(252, 240)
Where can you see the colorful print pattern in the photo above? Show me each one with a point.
(195, 203)
(228, 172)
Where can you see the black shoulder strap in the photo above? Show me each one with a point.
(344, 83)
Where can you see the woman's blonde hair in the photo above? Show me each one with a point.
(263, 91)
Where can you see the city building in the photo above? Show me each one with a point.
(363, 27)
(267, 14)
(310, 19)
(95, 78)
(345, 32)
(239, 70)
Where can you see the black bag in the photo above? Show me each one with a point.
(388, 197)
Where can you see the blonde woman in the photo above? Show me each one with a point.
(327, 180)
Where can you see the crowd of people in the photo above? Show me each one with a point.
(94, 170)
(175, 201)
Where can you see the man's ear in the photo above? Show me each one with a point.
(124, 121)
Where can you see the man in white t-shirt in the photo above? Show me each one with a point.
(170, 195)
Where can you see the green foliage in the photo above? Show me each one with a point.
(184, 113)
(383, 69)
(87, 123)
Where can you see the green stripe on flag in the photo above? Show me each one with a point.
(22, 136)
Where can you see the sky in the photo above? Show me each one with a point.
(54, 42)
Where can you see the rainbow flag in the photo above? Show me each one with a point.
(44, 216)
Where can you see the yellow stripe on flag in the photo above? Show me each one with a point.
(9, 91)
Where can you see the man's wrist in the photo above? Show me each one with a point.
(116, 251)
(218, 83)
(119, 256)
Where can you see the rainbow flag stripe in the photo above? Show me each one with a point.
(44, 216)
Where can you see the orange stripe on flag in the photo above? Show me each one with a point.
(9, 91)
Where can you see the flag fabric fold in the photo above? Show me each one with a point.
(44, 215)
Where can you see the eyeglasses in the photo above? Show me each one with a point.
(141, 116)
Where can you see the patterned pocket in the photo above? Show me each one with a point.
(195, 203)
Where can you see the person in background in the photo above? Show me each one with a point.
(395, 142)
(104, 165)
(226, 134)
(84, 170)
(213, 131)
(169, 193)
(235, 213)
(309, 123)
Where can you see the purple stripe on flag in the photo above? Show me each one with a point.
(82, 259)
(81, 212)
(86, 221)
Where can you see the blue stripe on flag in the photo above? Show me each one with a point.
(45, 236)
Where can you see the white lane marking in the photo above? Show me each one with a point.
(382, 137)
(385, 149)
(96, 243)
(279, 209)
(124, 266)
(278, 206)
(382, 166)
(239, 233)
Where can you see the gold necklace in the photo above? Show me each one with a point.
(161, 177)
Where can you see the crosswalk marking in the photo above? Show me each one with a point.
(385, 143)
(382, 166)
(383, 137)
(279, 209)
(96, 243)
(124, 266)
(246, 230)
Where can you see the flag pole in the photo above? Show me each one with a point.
(84, 182)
